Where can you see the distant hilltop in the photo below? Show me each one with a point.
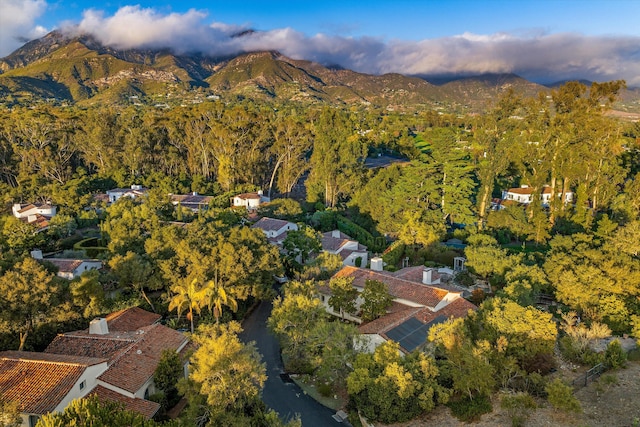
(81, 70)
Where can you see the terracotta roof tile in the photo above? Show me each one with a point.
(106, 346)
(65, 265)
(399, 288)
(39, 381)
(521, 190)
(141, 406)
(396, 314)
(131, 319)
(270, 224)
(246, 196)
(135, 365)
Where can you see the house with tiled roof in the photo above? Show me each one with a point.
(41, 383)
(37, 214)
(194, 201)
(125, 347)
(336, 242)
(275, 229)
(69, 268)
(251, 201)
(421, 299)
(134, 192)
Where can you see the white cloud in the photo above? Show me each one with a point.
(17, 23)
(534, 55)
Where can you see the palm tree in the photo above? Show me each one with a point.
(218, 296)
(188, 294)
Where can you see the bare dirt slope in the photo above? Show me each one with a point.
(611, 401)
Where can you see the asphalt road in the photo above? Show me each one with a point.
(285, 397)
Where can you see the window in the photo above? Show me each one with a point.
(83, 384)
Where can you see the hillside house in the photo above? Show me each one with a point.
(37, 214)
(251, 201)
(69, 268)
(524, 195)
(336, 242)
(275, 229)
(194, 201)
(134, 192)
(421, 299)
(114, 359)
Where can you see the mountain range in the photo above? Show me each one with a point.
(81, 70)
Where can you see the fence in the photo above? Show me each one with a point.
(590, 375)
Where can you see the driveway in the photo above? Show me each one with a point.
(282, 395)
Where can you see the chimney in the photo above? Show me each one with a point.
(336, 234)
(377, 264)
(136, 187)
(98, 326)
(195, 193)
(427, 276)
(36, 254)
(260, 193)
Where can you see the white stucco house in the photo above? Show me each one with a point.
(336, 242)
(37, 214)
(251, 201)
(114, 359)
(275, 229)
(69, 268)
(421, 299)
(133, 192)
(524, 195)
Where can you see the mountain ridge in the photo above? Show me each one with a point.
(80, 69)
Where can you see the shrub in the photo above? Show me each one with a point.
(325, 389)
(560, 396)
(519, 407)
(467, 410)
(614, 356)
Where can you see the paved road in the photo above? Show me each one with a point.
(286, 398)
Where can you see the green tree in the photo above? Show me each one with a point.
(87, 292)
(388, 388)
(343, 296)
(227, 372)
(301, 244)
(376, 300)
(9, 413)
(135, 272)
(293, 317)
(167, 374)
(190, 296)
(337, 159)
(30, 296)
(90, 412)
(561, 396)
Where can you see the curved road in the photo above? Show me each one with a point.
(284, 397)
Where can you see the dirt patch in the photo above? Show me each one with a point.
(611, 401)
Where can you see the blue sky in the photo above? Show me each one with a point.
(543, 40)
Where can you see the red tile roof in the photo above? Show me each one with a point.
(248, 196)
(521, 190)
(131, 319)
(65, 265)
(40, 381)
(137, 363)
(83, 344)
(396, 314)
(141, 406)
(270, 224)
(399, 288)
